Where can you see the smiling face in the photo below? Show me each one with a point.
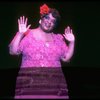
(48, 23)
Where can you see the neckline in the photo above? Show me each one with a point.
(45, 41)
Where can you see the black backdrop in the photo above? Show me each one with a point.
(82, 16)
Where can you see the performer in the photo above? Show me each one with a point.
(40, 74)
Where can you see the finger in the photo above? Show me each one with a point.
(20, 20)
(68, 27)
(66, 30)
(26, 21)
(28, 26)
(18, 23)
(71, 31)
(64, 35)
(23, 19)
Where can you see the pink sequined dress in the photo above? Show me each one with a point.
(37, 53)
(40, 75)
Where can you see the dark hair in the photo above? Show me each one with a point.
(55, 14)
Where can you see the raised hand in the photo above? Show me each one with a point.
(22, 25)
(69, 35)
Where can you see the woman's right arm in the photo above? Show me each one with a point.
(13, 47)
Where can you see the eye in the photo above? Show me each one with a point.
(54, 21)
(47, 17)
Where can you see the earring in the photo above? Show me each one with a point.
(40, 21)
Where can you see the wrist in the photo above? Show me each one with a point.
(72, 42)
(20, 34)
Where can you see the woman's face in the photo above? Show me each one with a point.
(48, 23)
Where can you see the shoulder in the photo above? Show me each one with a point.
(29, 32)
(59, 36)
(27, 35)
(32, 30)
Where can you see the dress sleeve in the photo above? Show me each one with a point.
(21, 45)
(23, 42)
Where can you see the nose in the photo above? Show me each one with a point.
(49, 21)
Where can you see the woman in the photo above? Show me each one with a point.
(40, 74)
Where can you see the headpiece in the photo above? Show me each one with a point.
(44, 9)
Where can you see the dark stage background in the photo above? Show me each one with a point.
(82, 73)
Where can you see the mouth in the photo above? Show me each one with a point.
(47, 25)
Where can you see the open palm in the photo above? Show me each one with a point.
(22, 25)
(69, 34)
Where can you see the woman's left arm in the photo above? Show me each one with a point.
(69, 36)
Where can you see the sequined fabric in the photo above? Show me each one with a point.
(41, 81)
(42, 54)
